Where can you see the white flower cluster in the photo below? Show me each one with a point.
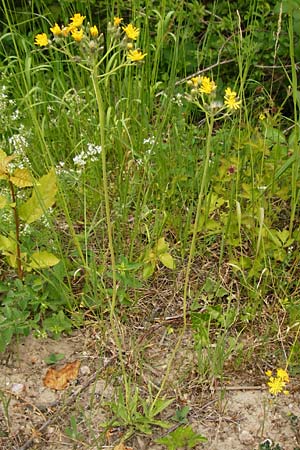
(90, 155)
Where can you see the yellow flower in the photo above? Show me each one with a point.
(56, 30)
(283, 375)
(131, 32)
(207, 86)
(77, 20)
(41, 40)
(77, 35)
(262, 117)
(195, 81)
(276, 385)
(117, 21)
(94, 31)
(136, 55)
(231, 100)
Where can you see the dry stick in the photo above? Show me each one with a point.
(68, 402)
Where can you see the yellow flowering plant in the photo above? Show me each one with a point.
(277, 384)
(89, 55)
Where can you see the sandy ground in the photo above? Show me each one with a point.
(236, 416)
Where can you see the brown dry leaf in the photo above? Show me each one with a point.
(59, 379)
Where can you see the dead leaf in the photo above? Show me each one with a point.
(59, 379)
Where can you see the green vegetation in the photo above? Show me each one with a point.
(144, 144)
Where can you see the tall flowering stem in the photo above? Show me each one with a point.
(101, 113)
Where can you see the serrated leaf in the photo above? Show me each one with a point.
(41, 199)
(42, 260)
(21, 178)
(167, 260)
(3, 201)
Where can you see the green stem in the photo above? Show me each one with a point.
(17, 226)
(101, 112)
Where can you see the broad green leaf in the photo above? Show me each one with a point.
(7, 244)
(148, 270)
(167, 260)
(162, 246)
(42, 198)
(42, 260)
(275, 135)
(3, 201)
(21, 178)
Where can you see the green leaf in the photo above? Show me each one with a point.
(160, 405)
(5, 338)
(167, 260)
(3, 201)
(42, 198)
(274, 135)
(53, 358)
(7, 244)
(148, 270)
(182, 437)
(42, 260)
(162, 246)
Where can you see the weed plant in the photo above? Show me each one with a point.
(174, 146)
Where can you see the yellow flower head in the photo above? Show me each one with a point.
(77, 20)
(136, 55)
(276, 385)
(283, 375)
(196, 81)
(94, 31)
(56, 30)
(77, 35)
(117, 21)
(231, 99)
(262, 116)
(41, 40)
(207, 86)
(131, 32)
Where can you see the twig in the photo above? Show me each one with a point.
(69, 401)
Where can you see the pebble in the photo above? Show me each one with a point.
(246, 438)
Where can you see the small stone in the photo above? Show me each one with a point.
(246, 438)
(17, 388)
(85, 370)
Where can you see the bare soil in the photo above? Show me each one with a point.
(235, 414)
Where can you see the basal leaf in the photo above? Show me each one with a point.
(162, 246)
(148, 270)
(42, 198)
(167, 260)
(21, 178)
